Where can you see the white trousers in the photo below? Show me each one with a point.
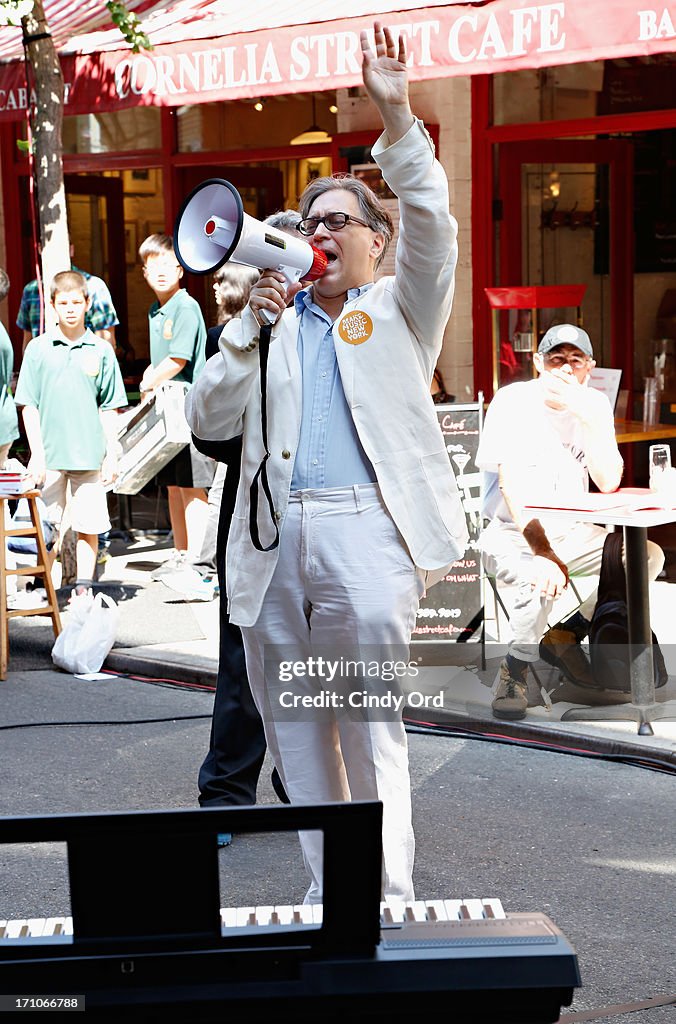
(344, 582)
(507, 556)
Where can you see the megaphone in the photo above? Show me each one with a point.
(212, 228)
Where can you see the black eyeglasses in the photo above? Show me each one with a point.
(333, 221)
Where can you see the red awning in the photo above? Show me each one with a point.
(202, 54)
(85, 26)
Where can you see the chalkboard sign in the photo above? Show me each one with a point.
(453, 608)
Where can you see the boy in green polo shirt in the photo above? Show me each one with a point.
(177, 343)
(70, 388)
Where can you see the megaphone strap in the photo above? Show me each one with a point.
(262, 471)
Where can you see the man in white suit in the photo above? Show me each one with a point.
(361, 487)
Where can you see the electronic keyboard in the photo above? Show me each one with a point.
(392, 914)
(147, 937)
(150, 435)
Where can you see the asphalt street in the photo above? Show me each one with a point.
(589, 842)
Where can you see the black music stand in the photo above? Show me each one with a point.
(149, 879)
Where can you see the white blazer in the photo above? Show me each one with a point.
(387, 344)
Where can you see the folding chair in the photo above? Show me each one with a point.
(498, 602)
(33, 529)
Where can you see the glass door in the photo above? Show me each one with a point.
(567, 210)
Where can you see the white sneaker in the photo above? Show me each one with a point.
(177, 561)
(191, 584)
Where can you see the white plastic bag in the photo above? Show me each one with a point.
(89, 634)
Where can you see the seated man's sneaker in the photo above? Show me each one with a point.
(561, 648)
(511, 696)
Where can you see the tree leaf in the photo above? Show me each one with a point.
(12, 11)
(129, 25)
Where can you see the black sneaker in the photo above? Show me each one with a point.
(278, 786)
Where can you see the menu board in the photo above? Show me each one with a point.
(453, 609)
(607, 381)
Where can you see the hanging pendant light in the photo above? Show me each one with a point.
(312, 135)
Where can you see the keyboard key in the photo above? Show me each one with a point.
(14, 929)
(493, 908)
(475, 909)
(263, 915)
(302, 913)
(397, 910)
(416, 911)
(54, 926)
(436, 910)
(244, 915)
(453, 909)
(285, 915)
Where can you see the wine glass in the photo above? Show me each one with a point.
(461, 459)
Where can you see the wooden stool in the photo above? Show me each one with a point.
(41, 569)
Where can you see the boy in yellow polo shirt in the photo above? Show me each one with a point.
(70, 388)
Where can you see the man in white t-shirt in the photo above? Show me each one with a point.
(543, 437)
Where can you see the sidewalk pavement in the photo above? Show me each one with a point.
(585, 841)
(164, 636)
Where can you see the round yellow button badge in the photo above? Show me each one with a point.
(91, 364)
(356, 327)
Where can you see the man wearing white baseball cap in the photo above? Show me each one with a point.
(548, 435)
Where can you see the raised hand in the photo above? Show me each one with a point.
(386, 79)
(384, 73)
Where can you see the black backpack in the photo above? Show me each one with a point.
(609, 631)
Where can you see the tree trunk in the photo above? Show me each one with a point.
(46, 120)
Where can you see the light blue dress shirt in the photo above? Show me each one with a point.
(329, 450)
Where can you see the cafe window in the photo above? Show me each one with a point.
(122, 131)
(547, 94)
(585, 90)
(261, 122)
(570, 91)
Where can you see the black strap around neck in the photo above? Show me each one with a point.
(262, 471)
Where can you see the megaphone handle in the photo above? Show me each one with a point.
(267, 315)
(262, 471)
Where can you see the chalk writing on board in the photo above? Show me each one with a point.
(453, 608)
